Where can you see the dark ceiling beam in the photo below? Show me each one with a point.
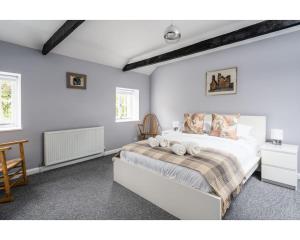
(65, 30)
(242, 34)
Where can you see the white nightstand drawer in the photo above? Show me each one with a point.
(280, 175)
(279, 159)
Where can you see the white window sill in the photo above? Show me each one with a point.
(127, 120)
(10, 129)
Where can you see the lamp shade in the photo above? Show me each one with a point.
(175, 124)
(277, 134)
(172, 34)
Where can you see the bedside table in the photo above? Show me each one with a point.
(279, 164)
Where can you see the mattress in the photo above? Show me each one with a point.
(245, 149)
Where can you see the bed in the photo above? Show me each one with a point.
(181, 191)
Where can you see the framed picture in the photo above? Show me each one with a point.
(75, 80)
(220, 82)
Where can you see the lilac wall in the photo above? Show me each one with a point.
(48, 105)
(268, 84)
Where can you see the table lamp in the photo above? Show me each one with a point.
(277, 136)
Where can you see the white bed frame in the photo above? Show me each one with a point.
(182, 201)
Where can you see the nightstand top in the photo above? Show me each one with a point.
(285, 148)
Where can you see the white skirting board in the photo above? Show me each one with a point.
(47, 168)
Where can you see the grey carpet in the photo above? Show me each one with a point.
(86, 191)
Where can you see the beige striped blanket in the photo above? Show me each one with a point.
(221, 170)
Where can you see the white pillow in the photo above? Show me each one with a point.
(243, 130)
(207, 126)
(207, 123)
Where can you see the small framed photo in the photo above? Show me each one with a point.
(76, 80)
(220, 82)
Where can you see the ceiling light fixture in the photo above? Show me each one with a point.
(172, 34)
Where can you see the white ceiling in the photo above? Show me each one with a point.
(114, 43)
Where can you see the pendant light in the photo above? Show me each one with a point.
(172, 34)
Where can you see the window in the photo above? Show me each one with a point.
(127, 105)
(10, 101)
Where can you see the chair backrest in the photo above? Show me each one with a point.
(150, 124)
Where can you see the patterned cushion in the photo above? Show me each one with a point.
(193, 123)
(224, 126)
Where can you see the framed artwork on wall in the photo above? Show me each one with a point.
(76, 80)
(221, 82)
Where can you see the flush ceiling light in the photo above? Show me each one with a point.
(172, 34)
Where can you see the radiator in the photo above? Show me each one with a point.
(66, 145)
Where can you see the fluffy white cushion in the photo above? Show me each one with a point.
(207, 123)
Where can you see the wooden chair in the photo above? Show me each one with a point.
(150, 126)
(13, 171)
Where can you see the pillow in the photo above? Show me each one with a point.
(207, 123)
(207, 126)
(243, 130)
(224, 126)
(193, 123)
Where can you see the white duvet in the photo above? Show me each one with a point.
(245, 150)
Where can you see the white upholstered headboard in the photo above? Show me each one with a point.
(257, 122)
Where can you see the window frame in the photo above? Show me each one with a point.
(17, 124)
(136, 116)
